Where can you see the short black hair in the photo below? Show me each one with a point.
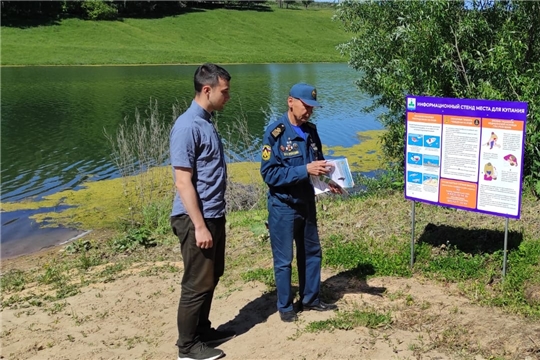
(209, 74)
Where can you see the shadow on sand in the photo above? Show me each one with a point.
(333, 289)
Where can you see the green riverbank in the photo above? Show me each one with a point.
(220, 36)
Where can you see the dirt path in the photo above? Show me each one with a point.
(134, 317)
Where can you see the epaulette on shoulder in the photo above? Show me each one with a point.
(311, 125)
(278, 130)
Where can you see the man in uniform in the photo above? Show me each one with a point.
(291, 153)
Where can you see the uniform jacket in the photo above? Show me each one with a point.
(285, 156)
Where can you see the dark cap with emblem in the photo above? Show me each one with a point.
(305, 93)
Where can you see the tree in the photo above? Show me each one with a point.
(479, 49)
(307, 2)
(31, 9)
(289, 2)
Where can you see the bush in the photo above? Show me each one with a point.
(244, 196)
(99, 10)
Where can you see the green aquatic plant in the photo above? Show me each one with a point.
(116, 203)
(363, 157)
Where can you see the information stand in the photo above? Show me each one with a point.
(466, 154)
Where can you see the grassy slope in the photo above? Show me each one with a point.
(223, 36)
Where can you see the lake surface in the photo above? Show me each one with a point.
(53, 118)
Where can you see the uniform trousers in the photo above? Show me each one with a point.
(298, 222)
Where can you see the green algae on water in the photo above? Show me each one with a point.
(106, 204)
(363, 157)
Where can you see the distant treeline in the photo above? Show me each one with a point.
(112, 10)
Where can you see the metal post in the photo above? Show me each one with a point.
(505, 247)
(412, 237)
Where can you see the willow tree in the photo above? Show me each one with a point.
(462, 49)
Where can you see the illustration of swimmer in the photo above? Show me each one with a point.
(493, 141)
(430, 141)
(490, 172)
(512, 160)
(415, 158)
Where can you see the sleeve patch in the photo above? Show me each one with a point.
(266, 151)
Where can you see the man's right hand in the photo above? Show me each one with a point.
(319, 167)
(203, 238)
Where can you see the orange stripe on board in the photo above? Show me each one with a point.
(503, 124)
(424, 118)
(462, 120)
(458, 193)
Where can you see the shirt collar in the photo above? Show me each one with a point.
(200, 112)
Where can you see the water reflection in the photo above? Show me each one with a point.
(22, 235)
(53, 118)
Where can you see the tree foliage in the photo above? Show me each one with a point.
(99, 10)
(306, 3)
(113, 9)
(462, 49)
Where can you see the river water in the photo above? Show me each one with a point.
(53, 122)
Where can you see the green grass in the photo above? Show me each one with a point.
(347, 320)
(221, 36)
(361, 237)
(266, 276)
(364, 258)
(370, 236)
(14, 280)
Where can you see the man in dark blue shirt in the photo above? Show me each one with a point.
(292, 152)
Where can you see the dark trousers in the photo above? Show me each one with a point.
(202, 270)
(298, 223)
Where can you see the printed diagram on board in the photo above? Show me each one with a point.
(490, 172)
(511, 160)
(492, 142)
